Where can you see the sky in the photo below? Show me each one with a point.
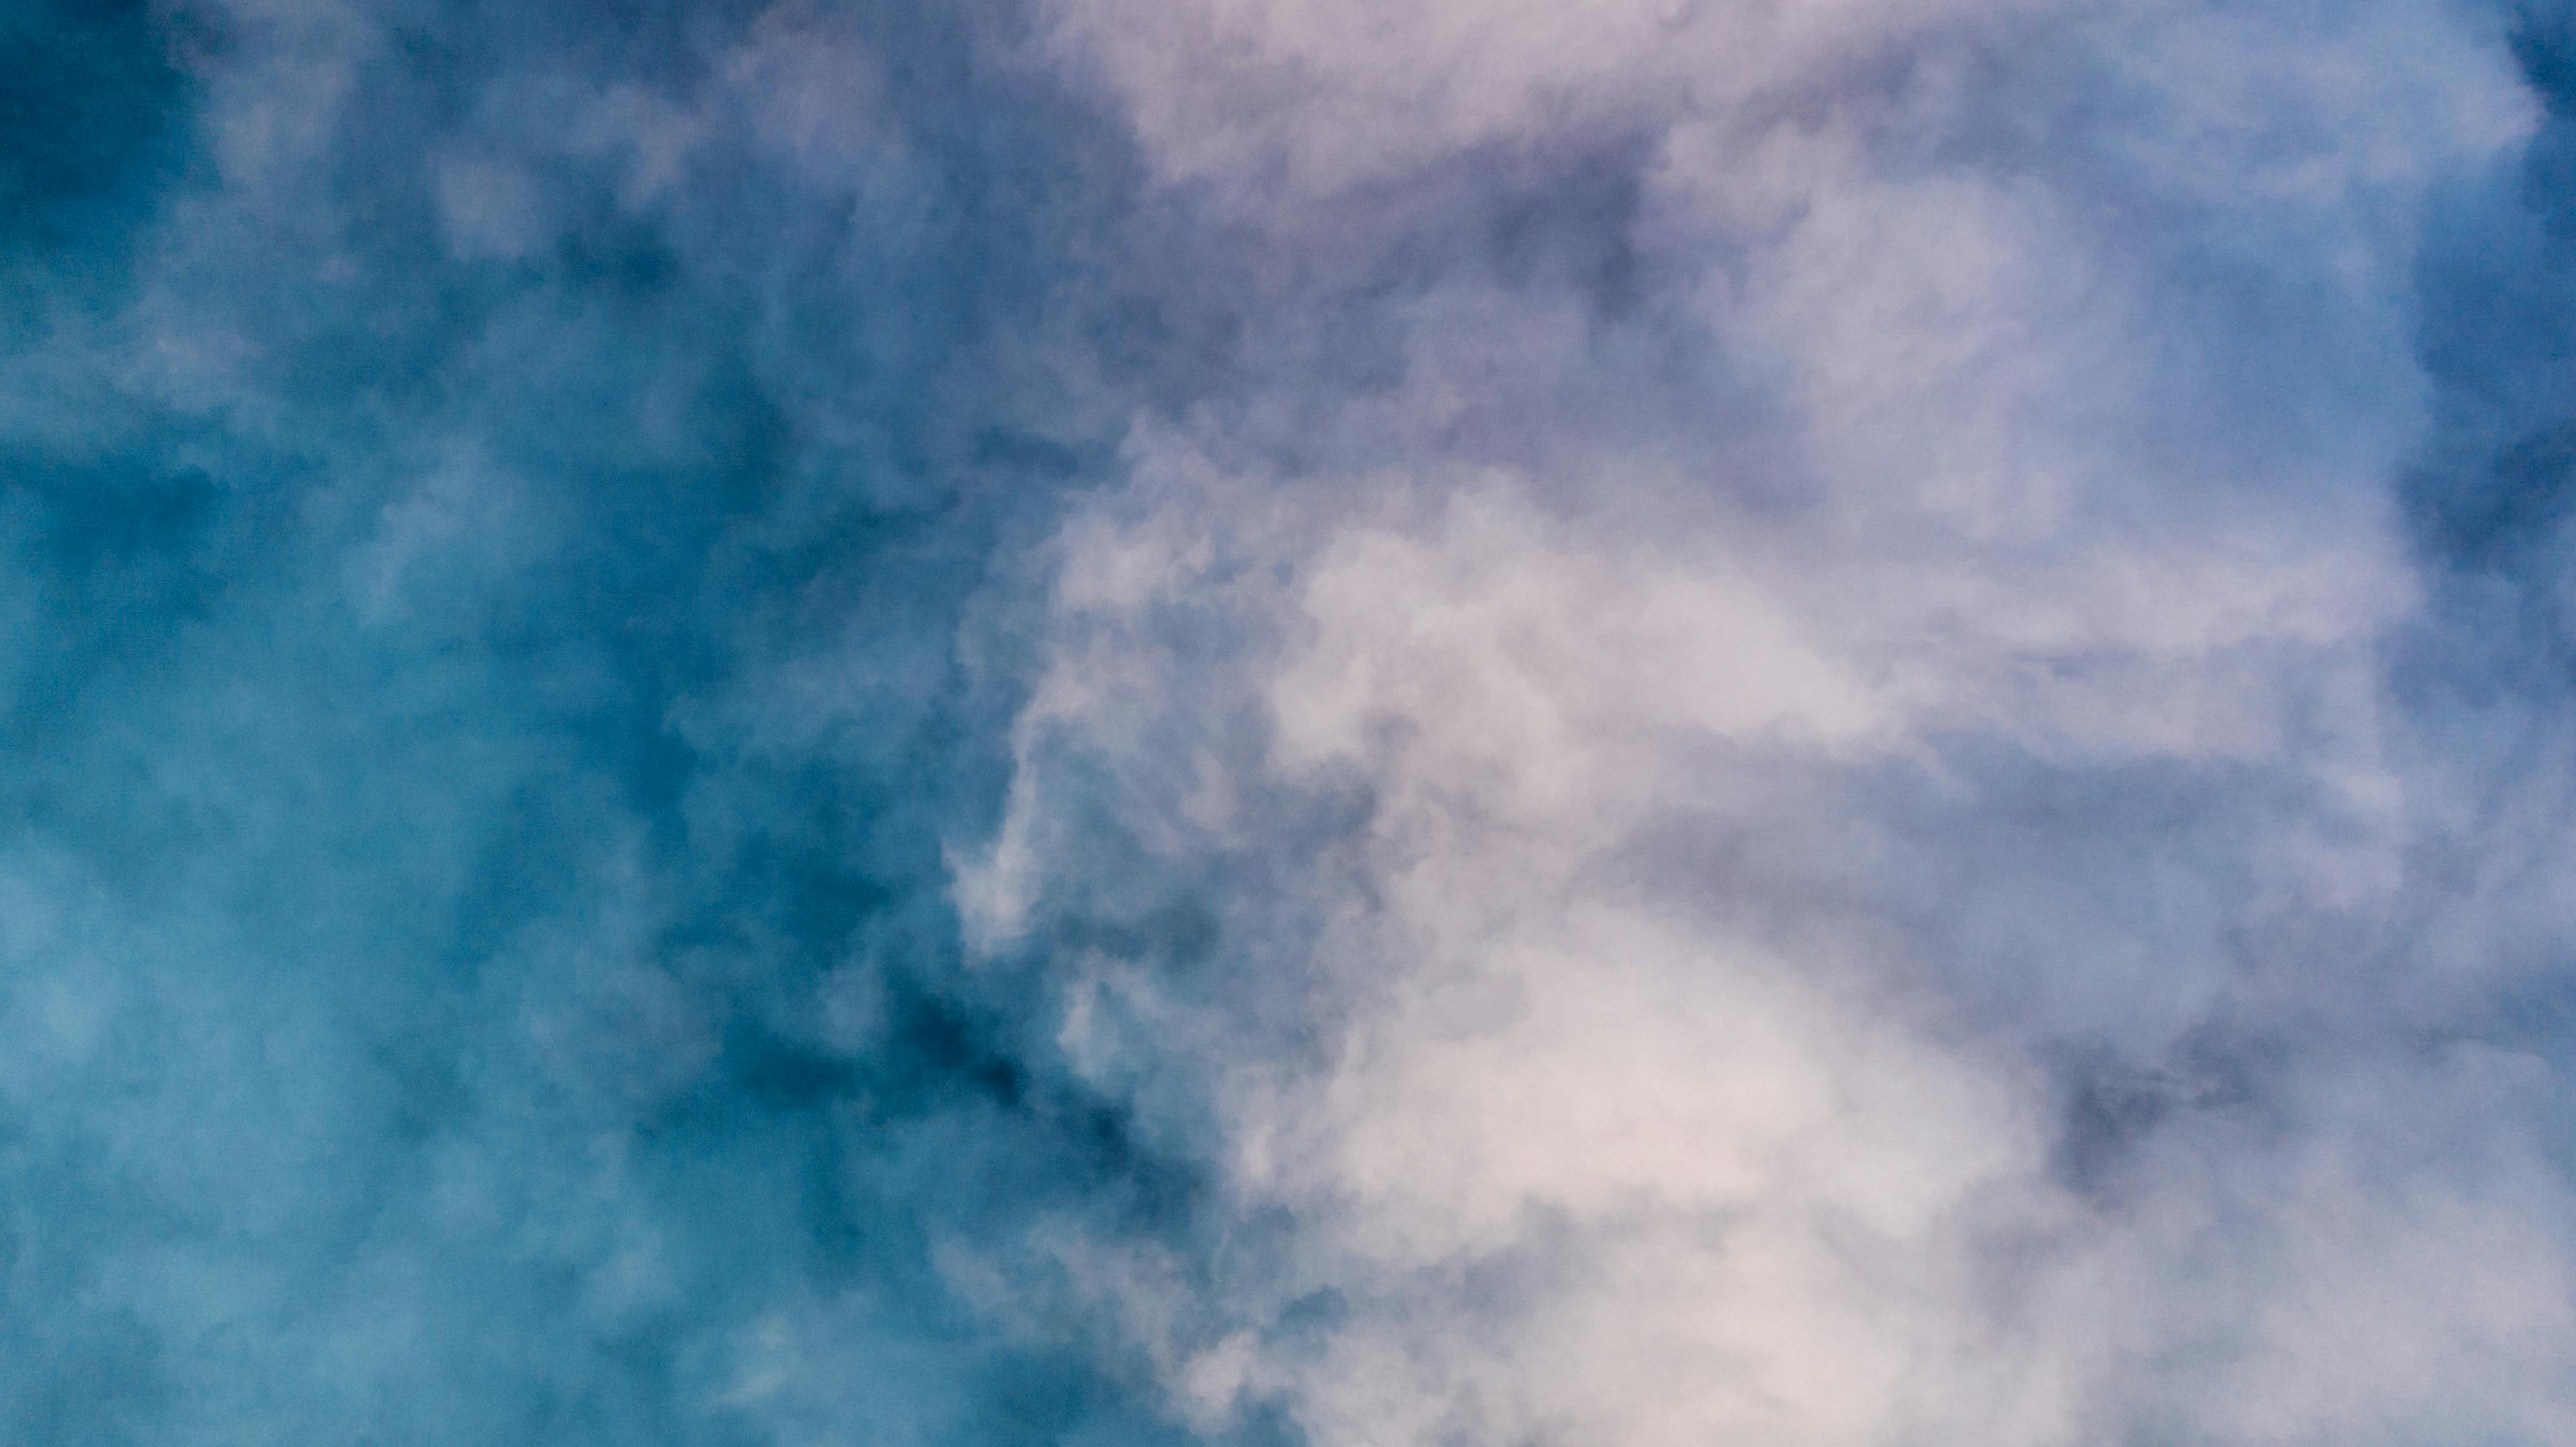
(1288, 723)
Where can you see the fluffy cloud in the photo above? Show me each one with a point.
(1811, 741)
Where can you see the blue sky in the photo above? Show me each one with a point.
(1287, 722)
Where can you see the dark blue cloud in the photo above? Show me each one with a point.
(483, 720)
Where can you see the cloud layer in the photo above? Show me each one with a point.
(1253, 722)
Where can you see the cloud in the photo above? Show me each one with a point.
(1284, 723)
(1808, 831)
(490, 499)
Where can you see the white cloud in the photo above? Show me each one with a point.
(1730, 679)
